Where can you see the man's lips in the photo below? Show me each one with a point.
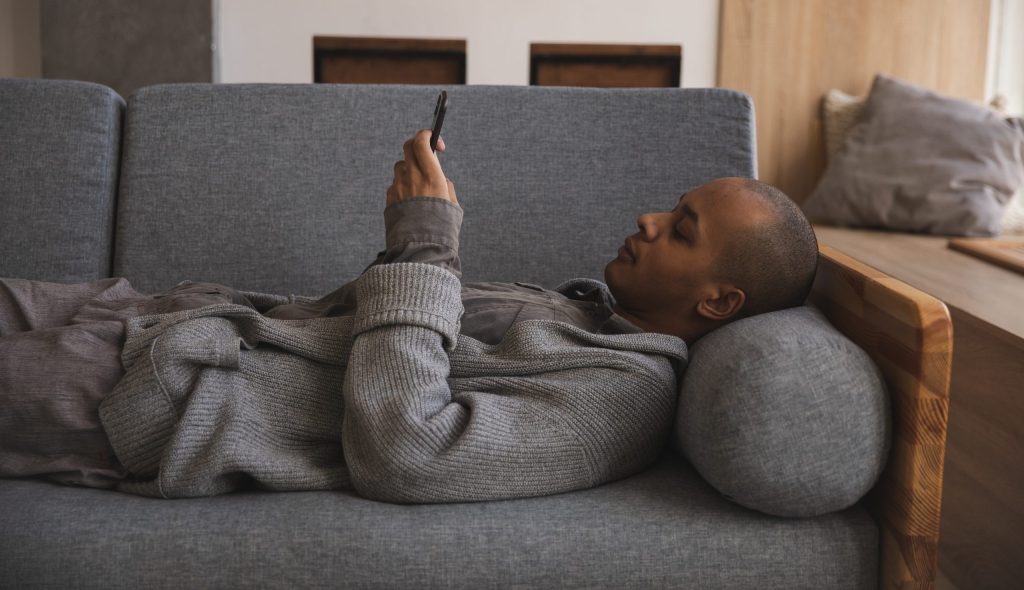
(626, 251)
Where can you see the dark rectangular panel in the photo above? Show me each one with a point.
(605, 66)
(127, 45)
(368, 60)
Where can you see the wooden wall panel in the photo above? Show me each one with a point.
(788, 53)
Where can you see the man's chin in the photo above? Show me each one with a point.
(610, 272)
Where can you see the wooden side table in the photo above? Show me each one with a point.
(982, 527)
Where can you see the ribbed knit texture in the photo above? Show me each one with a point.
(391, 401)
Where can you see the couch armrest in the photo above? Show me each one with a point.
(909, 334)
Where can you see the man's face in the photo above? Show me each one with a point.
(664, 270)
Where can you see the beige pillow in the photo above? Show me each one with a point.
(839, 112)
(1013, 219)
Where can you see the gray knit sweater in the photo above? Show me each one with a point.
(391, 401)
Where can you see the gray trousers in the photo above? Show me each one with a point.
(60, 355)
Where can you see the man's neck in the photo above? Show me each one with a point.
(648, 324)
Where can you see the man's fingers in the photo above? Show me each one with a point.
(420, 173)
(410, 154)
(440, 143)
(425, 158)
(402, 172)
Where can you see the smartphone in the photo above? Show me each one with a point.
(439, 111)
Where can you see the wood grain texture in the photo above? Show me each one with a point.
(605, 49)
(788, 54)
(606, 75)
(1007, 253)
(982, 527)
(605, 66)
(985, 291)
(909, 335)
(382, 60)
(390, 44)
(355, 69)
(983, 516)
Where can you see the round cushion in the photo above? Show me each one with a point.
(782, 413)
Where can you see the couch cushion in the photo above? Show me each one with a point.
(784, 414)
(280, 188)
(59, 148)
(663, 528)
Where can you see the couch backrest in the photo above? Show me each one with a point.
(280, 188)
(59, 152)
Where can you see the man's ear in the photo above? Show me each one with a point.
(722, 303)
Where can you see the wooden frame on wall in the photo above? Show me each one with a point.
(606, 66)
(380, 60)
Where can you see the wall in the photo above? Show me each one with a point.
(127, 44)
(272, 41)
(787, 55)
(19, 39)
(1006, 54)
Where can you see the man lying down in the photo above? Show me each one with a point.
(404, 384)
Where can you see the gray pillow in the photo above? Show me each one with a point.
(918, 161)
(783, 414)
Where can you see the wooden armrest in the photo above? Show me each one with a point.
(909, 335)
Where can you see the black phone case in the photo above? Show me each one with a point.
(439, 110)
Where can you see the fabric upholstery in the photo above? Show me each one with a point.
(60, 146)
(1013, 218)
(840, 112)
(280, 188)
(922, 162)
(782, 413)
(664, 528)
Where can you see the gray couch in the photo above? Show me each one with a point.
(186, 182)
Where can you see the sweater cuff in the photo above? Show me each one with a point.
(414, 294)
(139, 421)
(423, 219)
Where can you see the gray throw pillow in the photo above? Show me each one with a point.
(918, 161)
(781, 413)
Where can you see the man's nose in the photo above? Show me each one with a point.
(648, 224)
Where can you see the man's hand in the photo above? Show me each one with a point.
(420, 174)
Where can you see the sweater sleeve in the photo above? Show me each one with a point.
(406, 439)
(420, 229)
(424, 230)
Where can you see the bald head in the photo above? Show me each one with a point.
(775, 258)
